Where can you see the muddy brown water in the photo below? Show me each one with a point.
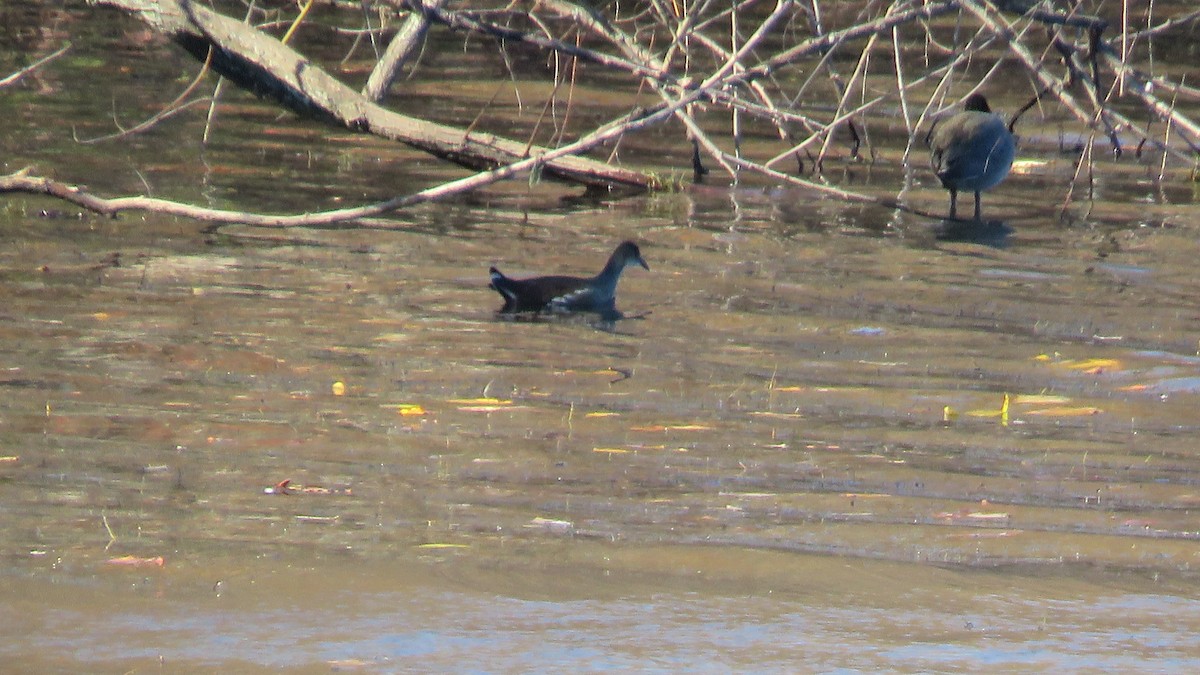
(796, 460)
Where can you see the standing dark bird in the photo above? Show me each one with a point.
(569, 294)
(971, 151)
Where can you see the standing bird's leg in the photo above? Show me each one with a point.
(971, 150)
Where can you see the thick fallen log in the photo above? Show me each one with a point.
(263, 65)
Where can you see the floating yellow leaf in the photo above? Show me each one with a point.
(134, 561)
(768, 413)
(790, 388)
(100, 316)
(1066, 411)
(1039, 399)
(1134, 387)
(479, 401)
(673, 427)
(1092, 365)
(1002, 413)
(7, 459)
(552, 524)
(440, 545)
(407, 409)
(1043, 357)
(948, 413)
(339, 388)
(490, 408)
(602, 414)
(612, 451)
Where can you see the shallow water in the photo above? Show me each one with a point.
(798, 455)
(591, 606)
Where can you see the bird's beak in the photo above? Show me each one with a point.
(643, 263)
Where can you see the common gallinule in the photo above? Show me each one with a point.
(972, 150)
(569, 294)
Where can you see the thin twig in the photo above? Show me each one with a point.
(170, 110)
(15, 77)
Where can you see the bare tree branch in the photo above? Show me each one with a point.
(261, 64)
(22, 181)
(403, 45)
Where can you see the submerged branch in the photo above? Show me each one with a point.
(22, 181)
(16, 77)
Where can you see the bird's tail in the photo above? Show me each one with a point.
(501, 284)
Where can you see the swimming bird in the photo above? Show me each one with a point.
(972, 150)
(568, 294)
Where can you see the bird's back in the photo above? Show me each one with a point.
(973, 151)
(549, 293)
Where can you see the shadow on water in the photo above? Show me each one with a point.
(993, 233)
(605, 322)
